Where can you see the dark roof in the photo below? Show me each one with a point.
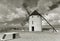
(35, 13)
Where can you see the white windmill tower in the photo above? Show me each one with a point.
(35, 22)
(35, 19)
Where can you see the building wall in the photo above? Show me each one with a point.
(35, 21)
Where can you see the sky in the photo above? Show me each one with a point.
(13, 11)
(53, 16)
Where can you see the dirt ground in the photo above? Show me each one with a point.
(38, 36)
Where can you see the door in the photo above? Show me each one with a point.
(14, 36)
(32, 28)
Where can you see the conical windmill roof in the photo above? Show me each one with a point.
(35, 13)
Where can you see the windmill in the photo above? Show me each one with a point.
(51, 7)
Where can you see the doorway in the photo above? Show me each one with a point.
(14, 36)
(32, 28)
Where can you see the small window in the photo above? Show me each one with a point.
(32, 16)
(32, 22)
(4, 36)
(38, 16)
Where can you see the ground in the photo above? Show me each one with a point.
(38, 36)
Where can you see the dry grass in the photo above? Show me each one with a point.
(38, 36)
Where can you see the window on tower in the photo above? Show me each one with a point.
(32, 22)
(38, 16)
(32, 16)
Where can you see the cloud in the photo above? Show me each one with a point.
(10, 13)
(20, 13)
(53, 18)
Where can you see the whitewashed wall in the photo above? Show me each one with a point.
(37, 23)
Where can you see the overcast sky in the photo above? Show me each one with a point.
(12, 9)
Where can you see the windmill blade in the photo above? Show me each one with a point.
(51, 8)
(48, 22)
(25, 7)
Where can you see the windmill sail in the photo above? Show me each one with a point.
(25, 7)
(48, 22)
